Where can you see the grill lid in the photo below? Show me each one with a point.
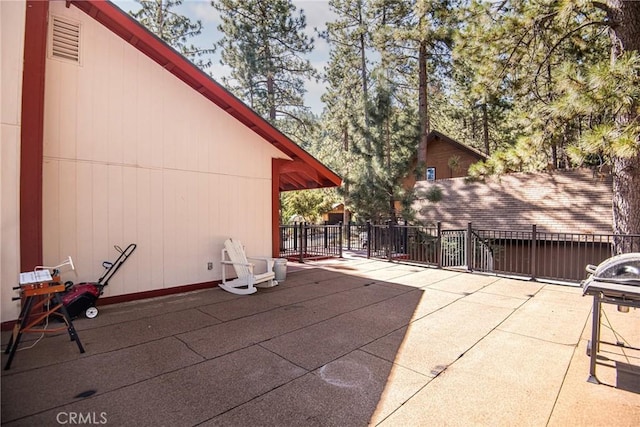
(616, 277)
(625, 266)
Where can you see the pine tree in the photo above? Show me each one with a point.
(160, 18)
(264, 45)
(347, 77)
(381, 35)
(417, 36)
(576, 100)
(393, 133)
(622, 135)
(481, 100)
(518, 72)
(391, 129)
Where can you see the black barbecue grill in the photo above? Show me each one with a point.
(614, 281)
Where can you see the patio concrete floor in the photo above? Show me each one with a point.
(348, 342)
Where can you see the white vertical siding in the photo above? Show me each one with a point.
(9, 217)
(84, 219)
(132, 154)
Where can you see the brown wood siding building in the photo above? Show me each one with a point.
(335, 215)
(441, 149)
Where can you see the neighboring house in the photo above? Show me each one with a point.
(109, 137)
(560, 204)
(335, 215)
(442, 153)
(445, 158)
(448, 158)
(571, 201)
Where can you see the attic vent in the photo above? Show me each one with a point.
(65, 40)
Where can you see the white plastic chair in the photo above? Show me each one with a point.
(246, 282)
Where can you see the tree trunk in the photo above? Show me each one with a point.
(485, 129)
(365, 83)
(160, 21)
(625, 26)
(271, 97)
(474, 123)
(346, 216)
(363, 57)
(625, 36)
(423, 113)
(626, 200)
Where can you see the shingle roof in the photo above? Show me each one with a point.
(571, 201)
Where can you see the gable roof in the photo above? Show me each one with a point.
(434, 134)
(303, 172)
(567, 201)
(411, 178)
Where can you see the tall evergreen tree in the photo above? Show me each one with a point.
(347, 77)
(387, 36)
(390, 133)
(264, 44)
(518, 72)
(160, 17)
(481, 100)
(417, 37)
(393, 132)
(622, 135)
(575, 97)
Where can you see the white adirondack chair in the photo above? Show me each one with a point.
(246, 281)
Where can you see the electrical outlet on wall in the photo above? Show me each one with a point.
(209, 266)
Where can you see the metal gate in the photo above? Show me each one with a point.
(465, 249)
(453, 247)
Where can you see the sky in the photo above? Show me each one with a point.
(317, 13)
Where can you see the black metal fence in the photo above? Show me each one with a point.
(531, 254)
(303, 241)
(545, 255)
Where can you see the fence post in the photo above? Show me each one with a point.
(469, 247)
(405, 238)
(369, 239)
(348, 225)
(340, 237)
(326, 234)
(303, 240)
(534, 245)
(391, 233)
(439, 244)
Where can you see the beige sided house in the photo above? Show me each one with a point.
(110, 137)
